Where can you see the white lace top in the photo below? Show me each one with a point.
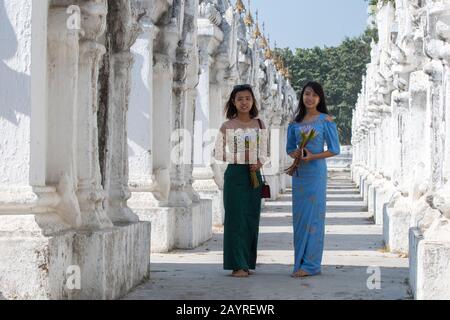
(236, 139)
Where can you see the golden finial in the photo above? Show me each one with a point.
(279, 64)
(257, 32)
(263, 42)
(248, 20)
(240, 6)
(268, 54)
(277, 59)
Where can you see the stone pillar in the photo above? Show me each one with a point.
(429, 238)
(194, 218)
(214, 186)
(283, 156)
(161, 215)
(272, 171)
(394, 201)
(149, 183)
(140, 116)
(179, 219)
(162, 102)
(53, 218)
(28, 216)
(209, 37)
(90, 192)
(61, 149)
(123, 29)
(112, 258)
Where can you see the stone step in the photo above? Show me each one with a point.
(348, 192)
(345, 197)
(332, 197)
(334, 192)
(345, 188)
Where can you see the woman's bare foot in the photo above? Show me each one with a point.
(300, 274)
(239, 273)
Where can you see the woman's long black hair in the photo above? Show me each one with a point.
(322, 107)
(230, 108)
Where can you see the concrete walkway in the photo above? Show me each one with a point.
(352, 245)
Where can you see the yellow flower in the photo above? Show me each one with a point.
(307, 134)
(254, 179)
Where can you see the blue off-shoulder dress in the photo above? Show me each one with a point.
(309, 185)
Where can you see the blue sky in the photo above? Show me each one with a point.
(310, 23)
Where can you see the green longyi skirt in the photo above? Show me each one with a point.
(242, 205)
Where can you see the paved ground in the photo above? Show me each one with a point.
(352, 245)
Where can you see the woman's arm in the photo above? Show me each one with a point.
(332, 140)
(291, 145)
(310, 156)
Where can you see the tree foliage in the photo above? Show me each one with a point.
(339, 69)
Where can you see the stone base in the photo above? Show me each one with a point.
(109, 262)
(283, 183)
(429, 267)
(395, 229)
(218, 211)
(361, 186)
(379, 198)
(178, 227)
(208, 190)
(371, 201)
(380, 204)
(275, 186)
(288, 182)
(415, 236)
(364, 190)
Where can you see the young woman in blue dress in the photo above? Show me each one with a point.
(309, 182)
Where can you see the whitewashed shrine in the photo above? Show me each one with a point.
(107, 108)
(401, 138)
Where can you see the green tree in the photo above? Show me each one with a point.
(339, 69)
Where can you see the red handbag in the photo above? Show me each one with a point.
(265, 191)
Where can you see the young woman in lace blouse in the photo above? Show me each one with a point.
(242, 143)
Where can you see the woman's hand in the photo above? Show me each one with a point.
(256, 167)
(296, 154)
(309, 156)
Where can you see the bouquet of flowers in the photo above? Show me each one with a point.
(307, 135)
(253, 177)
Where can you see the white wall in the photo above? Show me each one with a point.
(15, 91)
(140, 110)
(39, 92)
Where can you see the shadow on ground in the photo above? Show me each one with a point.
(180, 281)
(352, 245)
